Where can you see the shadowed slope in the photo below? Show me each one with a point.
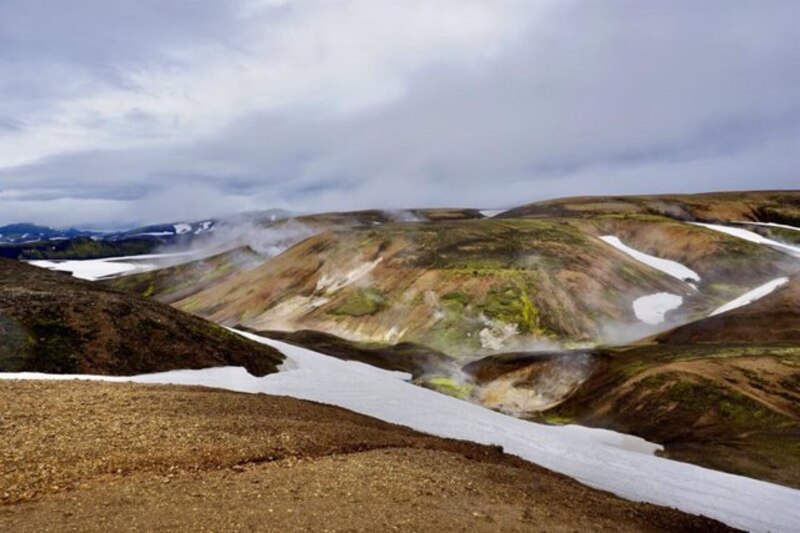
(50, 322)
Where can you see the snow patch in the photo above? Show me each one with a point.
(180, 229)
(92, 269)
(490, 213)
(768, 224)
(153, 234)
(752, 237)
(95, 269)
(671, 268)
(751, 296)
(606, 460)
(653, 308)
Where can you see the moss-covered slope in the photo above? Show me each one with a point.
(461, 287)
(50, 322)
(470, 286)
(732, 407)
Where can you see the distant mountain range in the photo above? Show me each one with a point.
(31, 241)
(25, 233)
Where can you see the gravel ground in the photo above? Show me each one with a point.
(98, 456)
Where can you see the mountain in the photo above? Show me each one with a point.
(24, 233)
(50, 322)
(29, 242)
(535, 315)
(476, 286)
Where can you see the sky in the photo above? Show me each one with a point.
(117, 113)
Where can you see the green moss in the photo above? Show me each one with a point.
(733, 409)
(456, 296)
(362, 302)
(557, 419)
(449, 386)
(13, 345)
(418, 299)
(84, 248)
(635, 368)
(512, 304)
(150, 290)
(52, 345)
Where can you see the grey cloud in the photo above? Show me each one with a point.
(601, 98)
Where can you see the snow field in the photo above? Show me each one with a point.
(622, 464)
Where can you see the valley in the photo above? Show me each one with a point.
(593, 337)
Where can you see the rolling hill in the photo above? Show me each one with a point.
(759, 206)
(476, 286)
(50, 322)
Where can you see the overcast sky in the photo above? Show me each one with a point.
(116, 112)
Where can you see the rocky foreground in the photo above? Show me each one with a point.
(87, 455)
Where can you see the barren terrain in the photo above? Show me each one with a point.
(85, 455)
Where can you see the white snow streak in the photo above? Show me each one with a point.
(768, 224)
(671, 268)
(653, 308)
(750, 297)
(752, 237)
(606, 460)
(95, 269)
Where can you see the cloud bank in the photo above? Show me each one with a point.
(117, 113)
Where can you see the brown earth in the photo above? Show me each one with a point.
(369, 217)
(95, 456)
(51, 322)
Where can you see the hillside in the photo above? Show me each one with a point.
(415, 359)
(477, 286)
(760, 206)
(773, 319)
(459, 287)
(278, 463)
(183, 280)
(731, 407)
(722, 392)
(50, 322)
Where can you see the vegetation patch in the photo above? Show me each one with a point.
(449, 386)
(362, 302)
(512, 304)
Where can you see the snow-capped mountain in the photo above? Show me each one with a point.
(25, 233)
